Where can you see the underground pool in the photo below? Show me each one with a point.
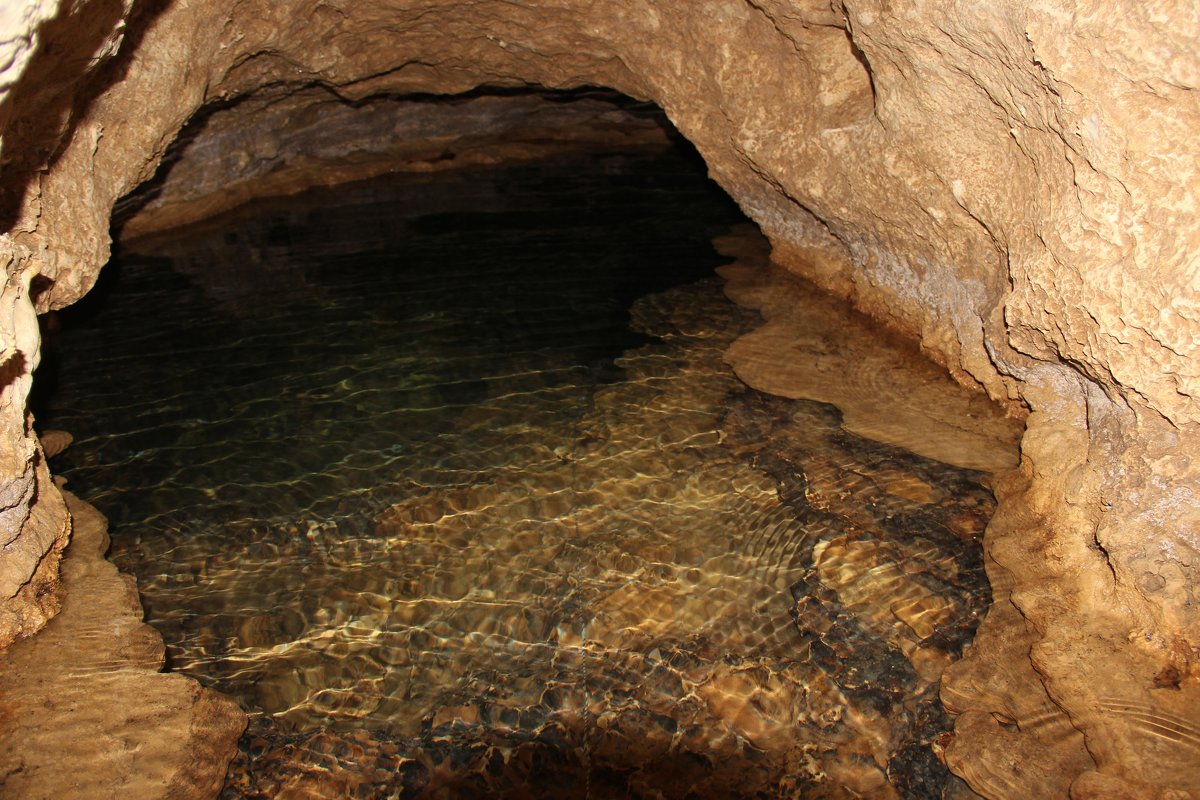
(447, 481)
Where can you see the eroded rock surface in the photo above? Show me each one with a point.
(1013, 184)
(87, 712)
(812, 348)
(279, 142)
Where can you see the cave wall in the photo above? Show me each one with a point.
(1012, 184)
(283, 140)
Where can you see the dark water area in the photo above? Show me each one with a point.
(331, 321)
(445, 480)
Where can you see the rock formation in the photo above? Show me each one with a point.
(1012, 184)
(277, 142)
(95, 669)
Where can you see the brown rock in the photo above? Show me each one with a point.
(813, 349)
(280, 142)
(87, 712)
(30, 591)
(54, 442)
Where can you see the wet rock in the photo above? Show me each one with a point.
(54, 442)
(76, 698)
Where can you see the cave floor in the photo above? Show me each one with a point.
(446, 481)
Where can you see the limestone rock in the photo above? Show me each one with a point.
(87, 712)
(37, 530)
(279, 142)
(54, 442)
(811, 349)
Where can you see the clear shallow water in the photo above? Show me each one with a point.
(396, 466)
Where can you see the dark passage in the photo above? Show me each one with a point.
(445, 480)
(257, 352)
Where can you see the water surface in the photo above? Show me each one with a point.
(446, 481)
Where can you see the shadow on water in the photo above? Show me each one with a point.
(446, 481)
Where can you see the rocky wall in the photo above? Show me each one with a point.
(283, 140)
(1012, 184)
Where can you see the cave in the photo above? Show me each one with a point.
(1010, 189)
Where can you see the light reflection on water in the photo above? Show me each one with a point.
(395, 467)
